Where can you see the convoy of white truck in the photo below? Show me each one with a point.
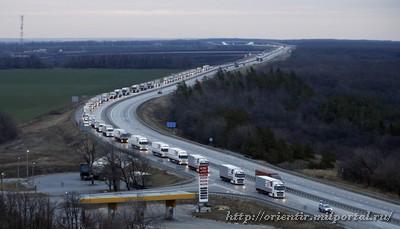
(268, 183)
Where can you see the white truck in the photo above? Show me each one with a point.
(135, 88)
(150, 84)
(121, 135)
(104, 97)
(107, 130)
(139, 142)
(178, 156)
(142, 87)
(125, 91)
(118, 93)
(159, 149)
(112, 95)
(232, 174)
(270, 186)
(98, 125)
(194, 160)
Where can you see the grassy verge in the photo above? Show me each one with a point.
(53, 140)
(27, 93)
(221, 206)
(154, 111)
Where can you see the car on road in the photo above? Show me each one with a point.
(324, 207)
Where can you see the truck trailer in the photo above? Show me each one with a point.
(232, 174)
(178, 156)
(194, 160)
(268, 173)
(159, 149)
(139, 142)
(270, 186)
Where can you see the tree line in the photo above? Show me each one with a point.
(116, 61)
(8, 127)
(34, 211)
(276, 116)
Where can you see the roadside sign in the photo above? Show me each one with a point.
(171, 124)
(203, 183)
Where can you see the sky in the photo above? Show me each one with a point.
(270, 19)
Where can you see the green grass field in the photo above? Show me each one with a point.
(27, 93)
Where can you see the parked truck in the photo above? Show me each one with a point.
(194, 160)
(139, 142)
(159, 149)
(178, 156)
(85, 171)
(232, 174)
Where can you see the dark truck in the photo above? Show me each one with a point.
(85, 171)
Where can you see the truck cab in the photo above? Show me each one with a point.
(85, 171)
(135, 88)
(118, 93)
(108, 131)
(232, 174)
(125, 91)
(238, 176)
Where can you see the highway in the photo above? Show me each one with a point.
(303, 194)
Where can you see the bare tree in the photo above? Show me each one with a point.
(70, 213)
(87, 149)
(111, 171)
(25, 210)
(140, 173)
(137, 215)
(134, 171)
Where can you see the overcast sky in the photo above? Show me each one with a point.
(282, 19)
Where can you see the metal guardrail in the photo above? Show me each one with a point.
(266, 202)
(331, 202)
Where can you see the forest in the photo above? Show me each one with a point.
(8, 127)
(306, 106)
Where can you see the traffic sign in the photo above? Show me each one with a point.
(203, 183)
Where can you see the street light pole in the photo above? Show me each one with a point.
(33, 168)
(19, 158)
(2, 174)
(27, 163)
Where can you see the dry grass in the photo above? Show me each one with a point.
(221, 206)
(330, 175)
(52, 140)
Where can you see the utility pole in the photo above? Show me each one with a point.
(27, 163)
(21, 34)
(19, 159)
(2, 174)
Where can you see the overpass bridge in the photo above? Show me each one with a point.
(113, 199)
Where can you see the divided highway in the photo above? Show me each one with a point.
(303, 194)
